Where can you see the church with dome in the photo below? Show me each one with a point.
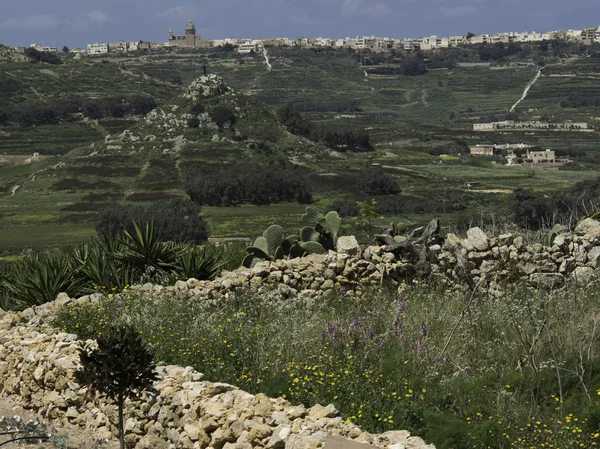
(188, 40)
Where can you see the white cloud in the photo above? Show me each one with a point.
(365, 8)
(181, 12)
(98, 17)
(93, 18)
(37, 22)
(307, 20)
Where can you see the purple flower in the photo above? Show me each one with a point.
(381, 343)
(423, 328)
(400, 306)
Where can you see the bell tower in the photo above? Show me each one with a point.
(190, 29)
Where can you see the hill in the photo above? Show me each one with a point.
(419, 129)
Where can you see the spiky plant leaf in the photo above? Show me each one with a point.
(312, 247)
(296, 251)
(262, 244)
(279, 253)
(274, 236)
(285, 245)
(258, 252)
(333, 223)
(197, 263)
(308, 234)
(247, 262)
(293, 239)
(312, 215)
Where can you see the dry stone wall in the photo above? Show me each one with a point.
(37, 363)
(477, 260)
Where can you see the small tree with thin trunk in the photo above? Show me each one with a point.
(121, 367)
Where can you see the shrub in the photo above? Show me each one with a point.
(121, 366)
(228, 185)
(175, 220)
(377, 182)
(223, 117)
(38, 278)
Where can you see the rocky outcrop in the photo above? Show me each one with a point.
(37, 363)
(206, 87)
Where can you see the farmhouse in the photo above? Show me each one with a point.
(541, 156)
(482, 150)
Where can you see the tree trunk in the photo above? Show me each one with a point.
(121, 425)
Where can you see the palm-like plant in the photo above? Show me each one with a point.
(143, 248)
(199, 263)
(98, 267)
(38, 278)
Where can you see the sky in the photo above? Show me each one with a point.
(76, 23)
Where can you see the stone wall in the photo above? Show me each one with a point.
(37, 363)
(478, 260)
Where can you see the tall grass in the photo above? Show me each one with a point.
(517, 370)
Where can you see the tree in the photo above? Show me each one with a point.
(176, 220)
(65, 49)
(367, 213)
(470, 35)
(378, 182)
(121, 367)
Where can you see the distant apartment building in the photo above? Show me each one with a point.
(301, 42)
(433, 42)
(99, 48)
(590, 35)
(531, 126)
(44, 48)
(250, 46)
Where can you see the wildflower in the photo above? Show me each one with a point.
(423, 329)
(400, 306)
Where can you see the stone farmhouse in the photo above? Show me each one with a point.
(481, 150)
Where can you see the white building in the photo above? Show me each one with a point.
(44, 48)
(250, 46)
(99, 48)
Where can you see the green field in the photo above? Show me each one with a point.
(412, 122)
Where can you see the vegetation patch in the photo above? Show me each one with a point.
(150, 196)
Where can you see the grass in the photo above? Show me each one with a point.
(403, 360)
(406, 116)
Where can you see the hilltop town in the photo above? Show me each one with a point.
(190, 39)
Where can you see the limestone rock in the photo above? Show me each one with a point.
(478, 239)
(348, 245)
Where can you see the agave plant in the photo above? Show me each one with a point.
(98, 267)
(199, 263)
(143, 249)
(38, 278)
(5, 303)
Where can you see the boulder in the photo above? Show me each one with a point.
(348, 245)
(589, 227)
(478, 239)
(547, 281)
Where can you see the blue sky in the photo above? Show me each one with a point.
(78, 22)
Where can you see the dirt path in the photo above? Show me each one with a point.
(531, 83)
(74, 437)
(14, 190)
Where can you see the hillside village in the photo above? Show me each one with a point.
(190, 39)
